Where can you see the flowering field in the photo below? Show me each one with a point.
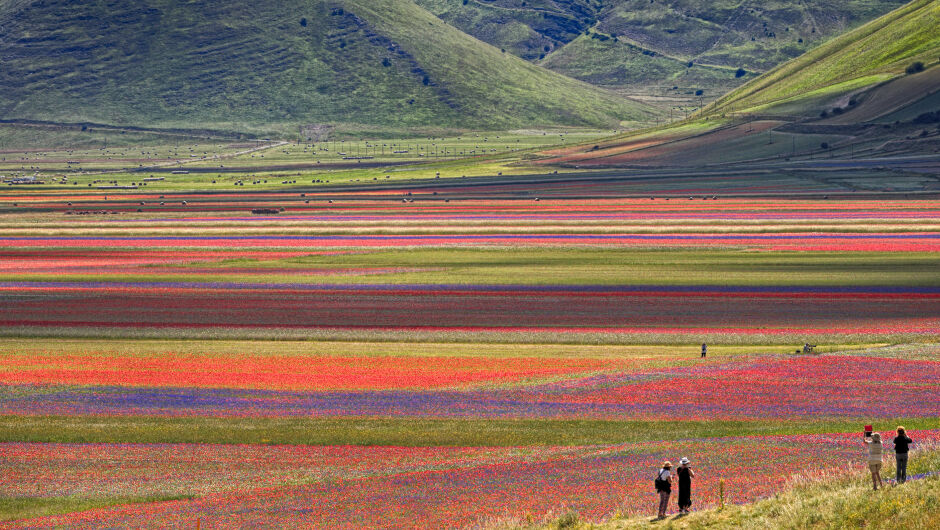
(450, 361)
(287, 372)
(349, 487)
(737, 388)
(909, 242)
(642, 309)
(762, 270)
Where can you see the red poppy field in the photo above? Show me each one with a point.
(447, 362)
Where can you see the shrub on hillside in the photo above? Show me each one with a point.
(740, 73)
(928, 117)
(915, 67)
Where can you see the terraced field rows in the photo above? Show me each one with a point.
(450, 363)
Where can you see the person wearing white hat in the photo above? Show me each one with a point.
(685, 475)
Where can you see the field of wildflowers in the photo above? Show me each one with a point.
(761, 387)
(559, 309)
(371, 487)
(510, 318)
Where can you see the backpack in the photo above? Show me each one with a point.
(660, 483)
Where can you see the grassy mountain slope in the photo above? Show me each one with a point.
(530, 29)
(651, 42)
(849, 98)
(626, 64)
(873, 53)
(247, 64)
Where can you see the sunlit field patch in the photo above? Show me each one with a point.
(743, 388)
(287, 372)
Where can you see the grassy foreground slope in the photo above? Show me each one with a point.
(241, 65)
(875, 52)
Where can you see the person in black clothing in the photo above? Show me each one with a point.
(685, 474)
(704, 350)
(902, 444)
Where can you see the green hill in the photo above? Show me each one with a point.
(648, 45)
(876, 52)
(245, 65)
(855, 96)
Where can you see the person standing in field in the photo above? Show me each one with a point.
(664, 481)
(685, 474)
(704, 350)
(874, 458)
(902, 443)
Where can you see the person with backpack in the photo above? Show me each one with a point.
(902, 444)
(685, 474)
(663, 484)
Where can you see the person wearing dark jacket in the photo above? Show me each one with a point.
(685, 474)
(902, 444)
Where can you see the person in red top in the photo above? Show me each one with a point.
(902, 444)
